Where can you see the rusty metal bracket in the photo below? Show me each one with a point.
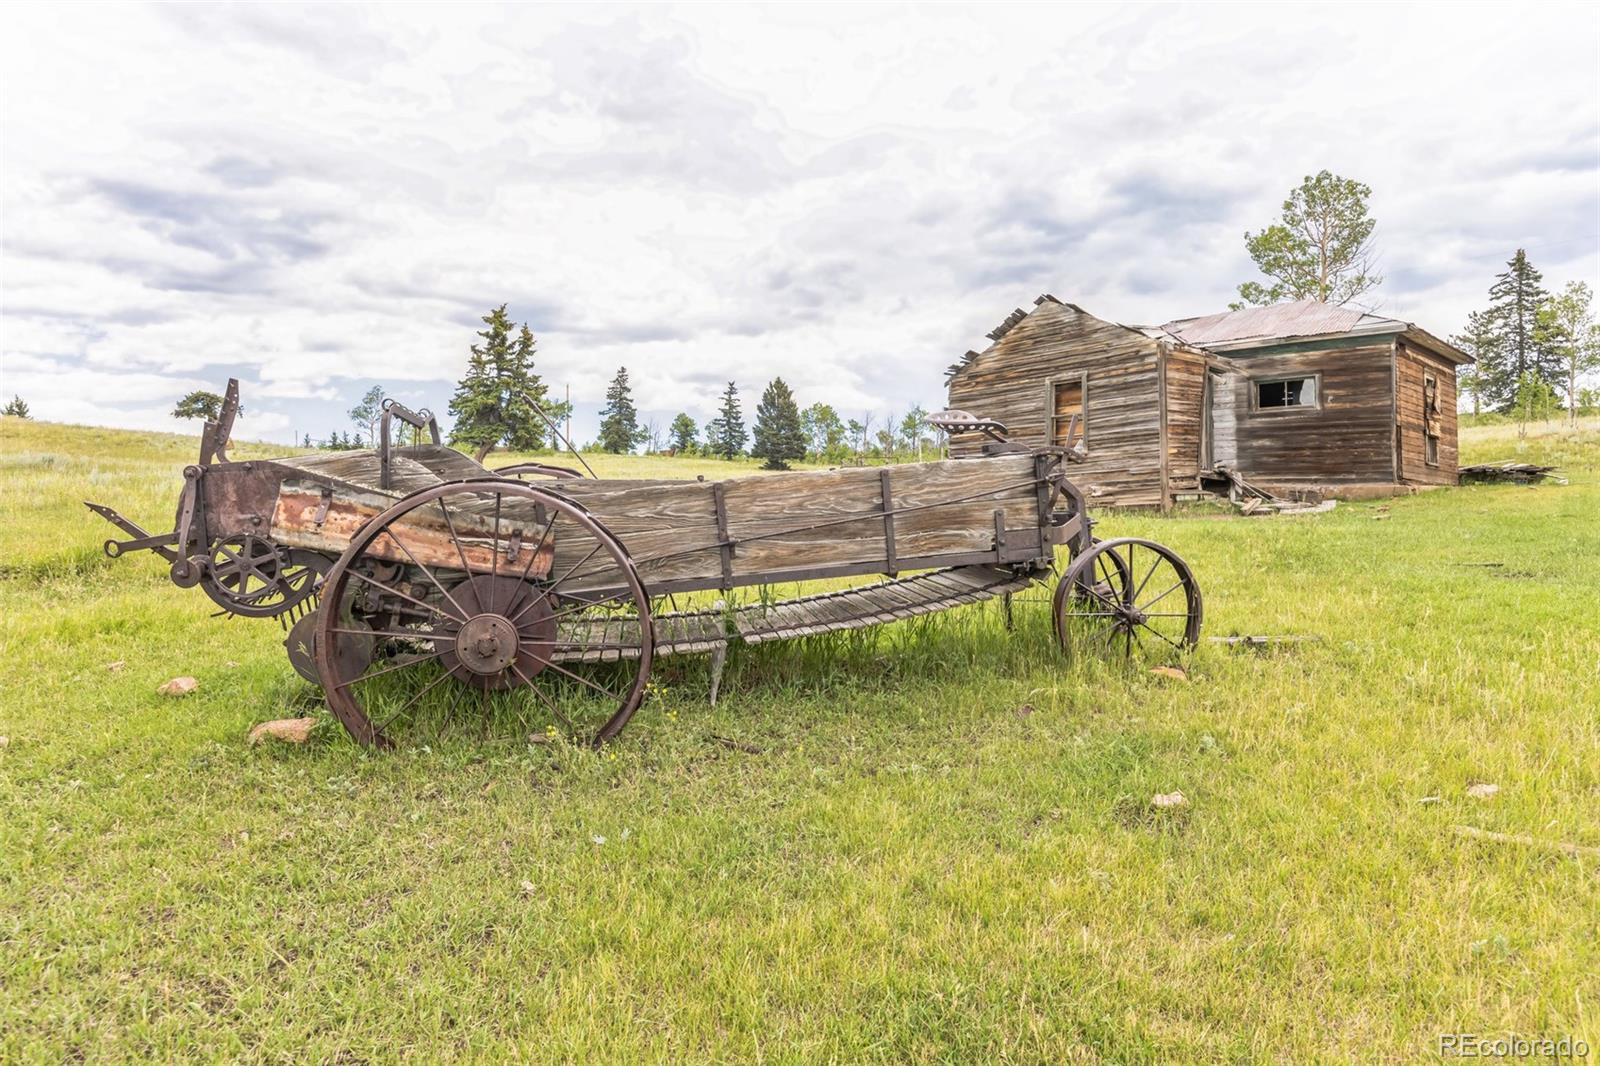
(323, 504)
(143, 540)
(999, 534)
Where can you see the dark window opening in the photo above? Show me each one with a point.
(1068, 413)
(1288, 392)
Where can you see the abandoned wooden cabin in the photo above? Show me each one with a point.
(1299, 398)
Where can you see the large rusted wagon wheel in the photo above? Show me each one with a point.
(1128, 596)
(497, 595)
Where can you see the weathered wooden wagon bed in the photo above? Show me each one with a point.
(557, 595)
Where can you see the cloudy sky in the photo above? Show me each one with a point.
(315, 199)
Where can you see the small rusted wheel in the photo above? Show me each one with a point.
(1128, 596)
(516, 596)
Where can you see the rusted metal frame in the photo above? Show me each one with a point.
(999, 534)
(191, 514)
(214, 438)
(888, 522)
(143, 540)
(724, 544)
(391, 411)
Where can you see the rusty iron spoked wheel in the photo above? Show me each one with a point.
(1130, 597)
(506, 601)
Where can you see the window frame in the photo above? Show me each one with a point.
(1080, 379)
(1430, 441)
(1315, 377)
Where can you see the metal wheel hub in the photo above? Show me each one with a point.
(487, 644)
(507, 634)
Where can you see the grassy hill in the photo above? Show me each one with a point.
(941, 849)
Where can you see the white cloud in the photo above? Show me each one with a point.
(313, 199)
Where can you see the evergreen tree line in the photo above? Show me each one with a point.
(1534, 350)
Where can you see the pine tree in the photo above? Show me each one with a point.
(17, 408)
(488, 407)
(779, 438)
(519, 383)
(1480, 341)
(726, 434)
(619, 419)
(1514, 301)
(682, 432)
(1320, 249)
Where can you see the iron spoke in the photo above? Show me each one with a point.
(494, 552)
(391, 669)
(455, 538)
(1152, 573)
(411, 599)
(1165, 594)
(403, 634)
(548, 702)
(428, 573)
(408, 703)
(584, 681)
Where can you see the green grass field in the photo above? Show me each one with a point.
(912, 868)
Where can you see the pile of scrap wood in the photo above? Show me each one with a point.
(1252, 499)
(1517, 473)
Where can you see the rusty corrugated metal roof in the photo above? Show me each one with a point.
(1303, 318)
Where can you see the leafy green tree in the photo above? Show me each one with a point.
(365, 415)
(199, 404)
(17, 408)
(1481, 341)
(725, 434)
(825, 431)
(779, 438)
(912, 428)
(1321, 249)
(1535, 399)
(489, 407)
(1566, 327)
(1514, 301)
(619, 419)
(682, 433)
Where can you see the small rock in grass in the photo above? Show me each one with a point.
(1024, 711)
(290, 730)
(1482, 790)
(1168, 800)
(116, 666)
(179, 686)
(1175, 672)
(528, 888)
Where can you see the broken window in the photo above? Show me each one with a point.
(1066, 404)
(1286, 392)
(1430, 420)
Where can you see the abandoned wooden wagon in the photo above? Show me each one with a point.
(415, 566)
(1295, 397)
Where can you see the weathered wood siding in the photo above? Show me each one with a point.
(1011, 382)
(1348, 437)
(1186, 381)
(1411, 364)
(945, 509)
